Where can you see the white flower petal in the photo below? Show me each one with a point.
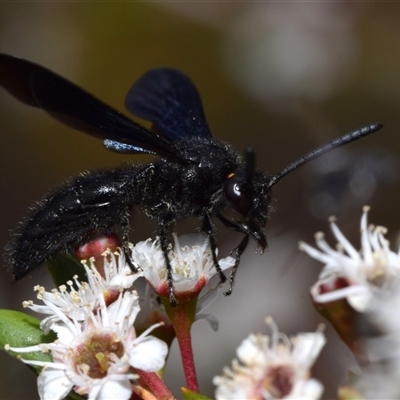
(311, 390)
(307, 347)
(349, 292)
(360, 301)
(112, 389)
(53, 384)
(210, 319)
(148, 354)
(226, 263)
(250, 350)
(63, 333)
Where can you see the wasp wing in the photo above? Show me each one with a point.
(39, 87)
(169, 99)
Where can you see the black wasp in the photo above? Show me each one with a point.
(197, 175)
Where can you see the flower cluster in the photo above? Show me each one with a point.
(350, 274)
(97, 351)
(100, 354)
(272, 367)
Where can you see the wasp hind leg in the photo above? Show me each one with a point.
(125, 227)
(164, 234)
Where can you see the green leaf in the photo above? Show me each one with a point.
(63, 267)
(21, 330)
(189, 395)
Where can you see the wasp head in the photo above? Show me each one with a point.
(248, 194)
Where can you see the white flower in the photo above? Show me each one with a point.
(116, 274)
(192, 263)
(95, 356)
(75, 297)
(272, 367)
(96, 347)
(351, 274)
(381, 375)
(152, 310)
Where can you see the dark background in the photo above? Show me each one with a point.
(281, 77)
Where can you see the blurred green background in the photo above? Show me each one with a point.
(281, 77)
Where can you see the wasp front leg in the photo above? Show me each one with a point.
(208, 229)
(125, 227)
(239, 249)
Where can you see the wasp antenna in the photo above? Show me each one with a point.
(250, 159)
(319, 151)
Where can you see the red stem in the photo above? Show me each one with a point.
(185, 345)
(182, 317)
(155, 384)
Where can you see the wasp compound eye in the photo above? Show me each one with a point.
(239, 194)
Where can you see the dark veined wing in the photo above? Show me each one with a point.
(39, 87)
(169, 99)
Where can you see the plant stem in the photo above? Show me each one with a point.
(155, 384)
(182, 317)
